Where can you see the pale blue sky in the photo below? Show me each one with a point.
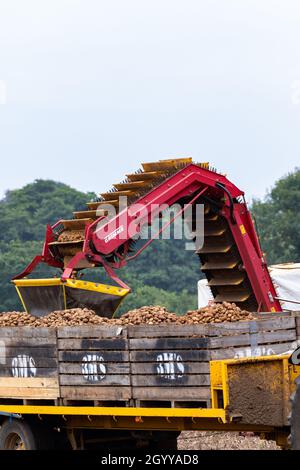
(93, 88)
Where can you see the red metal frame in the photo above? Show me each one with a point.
(185, 182)
(166, 225)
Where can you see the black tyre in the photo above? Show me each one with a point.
(295, 419)
(20, 435)
(17, 435)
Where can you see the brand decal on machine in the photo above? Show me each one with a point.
(114, 234)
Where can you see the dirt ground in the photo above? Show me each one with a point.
(212, 440)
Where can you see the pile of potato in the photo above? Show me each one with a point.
(148, 315)
(16, 319)
(214, 313)
(151, 315)
(71, 317)
(217, 313)
(71, 236)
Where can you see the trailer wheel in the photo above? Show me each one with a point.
(17, 435)
(20, 435)
(295, 419)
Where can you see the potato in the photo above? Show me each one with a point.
(151, 315)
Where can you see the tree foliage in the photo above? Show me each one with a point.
(24, 214)
(278, 220)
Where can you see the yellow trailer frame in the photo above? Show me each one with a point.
(277, 375)
(281, 375)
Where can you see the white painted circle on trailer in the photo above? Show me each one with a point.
(170, 366)
(23, 366)
(93, 367)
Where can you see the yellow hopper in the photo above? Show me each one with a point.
(42, 296)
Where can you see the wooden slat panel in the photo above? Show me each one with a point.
(187, 330)
(30, 351)
(186, 355)
(27, 332)
(98, 205)
(279, 336)
(89, 214)
(116, 194)
(92, 344)
(76, 224)
(247, 351)
(28, 354)
(108, 380)
(166, 164)
(91, 332)
(109, 356)
(198, 380)
(281, 323)
(272, 315)
(94, 363)
(26, 345)
(145, 175)
(111, 367)
(145, 331)
(171, 393)
(169, 343)
(40, 372)
(40, 362)
(227, 328)
(19, 342)
(38, 393)
(95, 393)
(151, 367)
(131, 185)
(30, 387)
(222, 329)
(259, 338)
(28, 382)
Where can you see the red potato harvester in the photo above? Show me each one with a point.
(231, 257)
